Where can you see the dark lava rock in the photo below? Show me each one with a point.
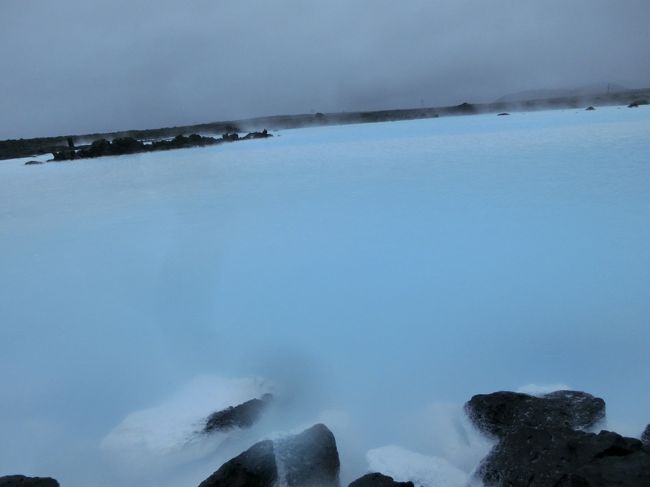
(309, 459)
(230, 137)
(541, 442)
(253, 468)
(566, 458)
(33, 163)
(465, 108)
(242, 416)
(500, 413)
(126, 145)
(504, 114)
(378, 480)
(589, 109)
(645, 437)
(257, 135)
(22, 481)
(638, 103)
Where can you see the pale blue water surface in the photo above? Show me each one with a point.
(370, 269)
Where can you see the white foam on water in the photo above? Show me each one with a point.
(404, 465)
(176, 423)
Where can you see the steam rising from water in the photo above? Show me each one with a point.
(374, 276)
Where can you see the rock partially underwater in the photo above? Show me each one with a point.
(542, 442)
(309, 459)
(378, 480)
(243, 415)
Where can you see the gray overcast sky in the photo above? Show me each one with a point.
(79, 66)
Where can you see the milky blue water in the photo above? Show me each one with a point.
(373, 270)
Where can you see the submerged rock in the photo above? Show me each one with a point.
(309, 459)
(542, 442)
(378, 480)
(500, 413)
(241, 416)
(22, 481)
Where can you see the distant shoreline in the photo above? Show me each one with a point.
(17, 148)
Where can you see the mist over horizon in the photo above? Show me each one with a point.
(83, 67)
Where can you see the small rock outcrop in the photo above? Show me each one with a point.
(309, 459)
(589, 109)
(500, 413)
(465, 108)
(22, 481)
(242, 416)
(33, 163)
(503, 114)
(638, 103)
(542, 442)
(378, 480)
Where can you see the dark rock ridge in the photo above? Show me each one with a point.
(378, 480)
(541, 442)
(22, 481)
(503, 114)
(309, 459)
(33, 163)
(242, 416)
(638, 103)
(589, 109)
(130, 145)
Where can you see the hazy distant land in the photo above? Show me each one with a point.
(15, 148)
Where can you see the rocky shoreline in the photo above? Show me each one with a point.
(540, 441)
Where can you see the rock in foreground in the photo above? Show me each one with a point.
(500, 413)
(378, 480)
(309, 459)
(22, 481)
(542, 443)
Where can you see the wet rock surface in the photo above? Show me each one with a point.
(542, 442)
(22, 481)
(309, 459)
(254, 468)
(378, 480)
(244, 415)
(500, 413)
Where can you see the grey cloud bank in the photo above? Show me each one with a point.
(77, 66)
